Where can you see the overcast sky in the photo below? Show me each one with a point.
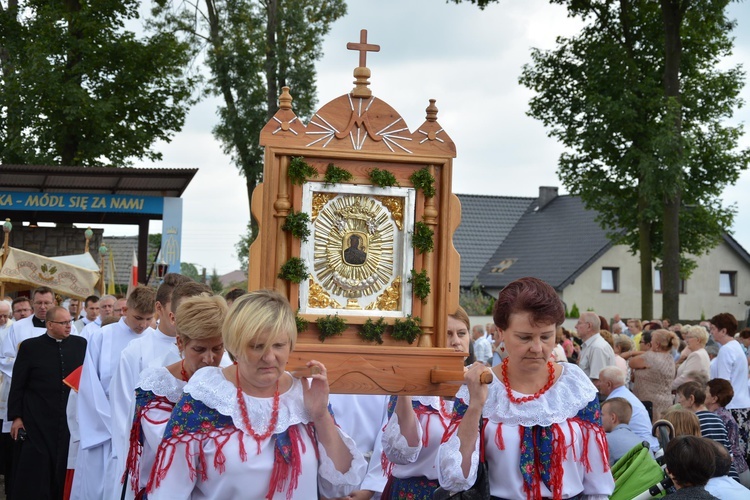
(467, 59)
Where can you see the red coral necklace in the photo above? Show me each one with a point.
(183, 373)
(509, 392)
(246, 418)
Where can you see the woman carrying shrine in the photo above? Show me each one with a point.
(198, 323)
(537, 424)
(252, 430)
(413, 432)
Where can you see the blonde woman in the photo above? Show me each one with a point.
(655, 371)
(697, 361)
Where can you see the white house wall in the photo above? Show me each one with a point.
(702, 289)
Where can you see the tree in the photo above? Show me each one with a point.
(191, 271)
(78, 89)
(253, 48)
(215, 283)
(636, 144)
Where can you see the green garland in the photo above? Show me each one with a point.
(330, 326)
(297, 223)
(423, 179)
(407, 329)
(421, 238)
(301, 323)
(294, 270)
(299, 170)
(372, 331)
(420, 284)
(382, 178)
(334, 175)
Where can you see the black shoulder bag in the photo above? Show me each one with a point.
(480, 490)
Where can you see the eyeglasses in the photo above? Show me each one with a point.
(64, 323)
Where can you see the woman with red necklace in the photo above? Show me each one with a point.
(252, 430)
(412, 435)
(198, 322)
(539, 421)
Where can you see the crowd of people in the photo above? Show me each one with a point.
(180, 393)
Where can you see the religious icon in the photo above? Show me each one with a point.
(355, 253)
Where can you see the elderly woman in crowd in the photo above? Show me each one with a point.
(198, 326)
(697, 358)
(654, 371)
(412, 435)
(252, 430)
(538, 422)
(685, 422)
(690, 464)
(719, 393)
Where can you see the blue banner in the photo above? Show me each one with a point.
(74, 202)
(171, 234)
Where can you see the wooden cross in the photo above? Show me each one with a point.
(363, 47)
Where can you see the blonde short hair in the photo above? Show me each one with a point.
(258, 312)
(685, 422)
(200, 318)
(696, 331)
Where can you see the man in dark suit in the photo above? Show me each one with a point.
(36, 406)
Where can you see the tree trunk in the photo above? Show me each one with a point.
(672, 14)
(646, 256)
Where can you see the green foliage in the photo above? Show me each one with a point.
(631, 147)
(191, 271)
(703, 315)
(215, 283)
(382, 178)
(574, 312)
(294, 270)
(77, 88)
(330, 326)
(335, 175)
(421, 238)
(420, 283)
(301, 323)
(423, 179)
(372, 331)
(474, 301)
(300, 171)
(297, 223)
(407, 329)
(252, 49)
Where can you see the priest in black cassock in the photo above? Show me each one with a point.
(36, 405)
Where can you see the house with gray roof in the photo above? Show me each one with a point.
(559, 241)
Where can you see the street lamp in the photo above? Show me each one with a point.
(161, 269)
(88, 234)
(103, 251)
(7, 228)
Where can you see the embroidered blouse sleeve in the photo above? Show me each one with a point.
(334, 484)
(396, 449)
(449, 461)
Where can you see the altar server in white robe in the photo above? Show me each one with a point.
(95, 468)
(362, 417)
(106, 306)
(155, 349)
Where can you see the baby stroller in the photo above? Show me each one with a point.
(637, 475)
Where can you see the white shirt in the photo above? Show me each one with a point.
(557, 407)
(249, 478)
(640, 423)
(731, 365)
(725, 487)
(482, 350)
(596, 353)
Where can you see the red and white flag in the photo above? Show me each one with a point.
(133, 274)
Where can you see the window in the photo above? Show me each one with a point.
(657, 282)
(728, 283)
(610, 279)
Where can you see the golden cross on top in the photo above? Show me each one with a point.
(363, 47)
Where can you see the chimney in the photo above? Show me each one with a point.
(546, 195)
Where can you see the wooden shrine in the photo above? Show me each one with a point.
(356, 220)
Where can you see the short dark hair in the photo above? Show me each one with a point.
(725, 321)
(142, 299)
(698, 391)
(530, 295)
(43, 290)
(722, 460)
(164, 292)
(722, 390)
(187, 289)
(745, 333)
(687, 459)
(234, 294)
(90, 299)
(20, 299)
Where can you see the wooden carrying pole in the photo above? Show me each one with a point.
(6, 232)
